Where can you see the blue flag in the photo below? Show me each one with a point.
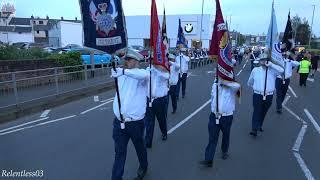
(182, 41)
(272, 41)
(273, 36)
(103, 25)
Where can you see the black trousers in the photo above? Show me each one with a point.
(303, 79)
(260, 109)
(214, 130)
(182, 80)
(281, 91)
(173, 95)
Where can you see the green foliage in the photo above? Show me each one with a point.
(13, 53)
(302, 30)
(67, 59)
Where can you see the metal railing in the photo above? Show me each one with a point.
(24, 86)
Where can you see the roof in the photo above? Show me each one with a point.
(15, 29)
(20, 21)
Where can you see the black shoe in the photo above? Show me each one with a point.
(140, 174)
(225, 156)
(279, 111)
(164, 137)
(253, 133)
(149, 146)
(183, 96)
(261, 130)
(206, 163)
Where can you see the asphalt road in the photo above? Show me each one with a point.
(73, 141)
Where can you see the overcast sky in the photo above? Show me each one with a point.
(248, 16)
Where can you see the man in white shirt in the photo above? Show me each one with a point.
(132, 83)
(220, 118)
(262, 97)
(157, 107)
(283, 81)
(173, 80)
(183, 61)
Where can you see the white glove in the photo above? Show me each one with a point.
(117, 73)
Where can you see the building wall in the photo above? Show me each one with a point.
(71, 33)
(55, 36)
(138, 27)
(16, 37)
(40, 34)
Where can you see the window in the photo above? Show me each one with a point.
(40, 22)
(146, 43)
(38, 32)
(34, 22)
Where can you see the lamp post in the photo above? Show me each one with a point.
(314, 7)
(201, 23)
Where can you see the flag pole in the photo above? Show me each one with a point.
(122, 121)
(270, 54)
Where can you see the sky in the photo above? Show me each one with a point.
(247, 16)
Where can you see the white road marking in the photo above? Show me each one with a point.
(299, 139)
(286, 100)
(311, 80)
(294, 94)
(296, 147)
(107, 100)
(189, 74)
(96, 98)
(188, 118)
(239, 72)
(318, 70)
(303, 166)
(31, 122)
(314, 122)
(294, 114)
(210, 72)
(36, 125)
(244, 65)
(45, 113)
(84, 112)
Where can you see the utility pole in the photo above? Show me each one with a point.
(314, 7)
(201, 23)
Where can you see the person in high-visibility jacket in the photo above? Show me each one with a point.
(304, 70)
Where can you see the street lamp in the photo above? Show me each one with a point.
(314, 7)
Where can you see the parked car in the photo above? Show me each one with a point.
(28, 45)
(140, 49)
(100, 57)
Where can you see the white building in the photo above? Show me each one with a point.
(138, 28)
(65, 32)
(12, 34)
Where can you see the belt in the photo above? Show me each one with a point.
(262, 93)
(225, 114)
(131, 119)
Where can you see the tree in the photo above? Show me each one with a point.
(302, 30)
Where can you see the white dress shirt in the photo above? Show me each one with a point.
(174, 73)
(227, 97)
(133, 94)
(289, 64)
(184, 63)
(159, 83)
(257, 78)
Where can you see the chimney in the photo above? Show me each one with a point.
(47, 17)
(76, 19)
(61, 17)
(32, 17)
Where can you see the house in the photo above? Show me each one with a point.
(63, 33)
